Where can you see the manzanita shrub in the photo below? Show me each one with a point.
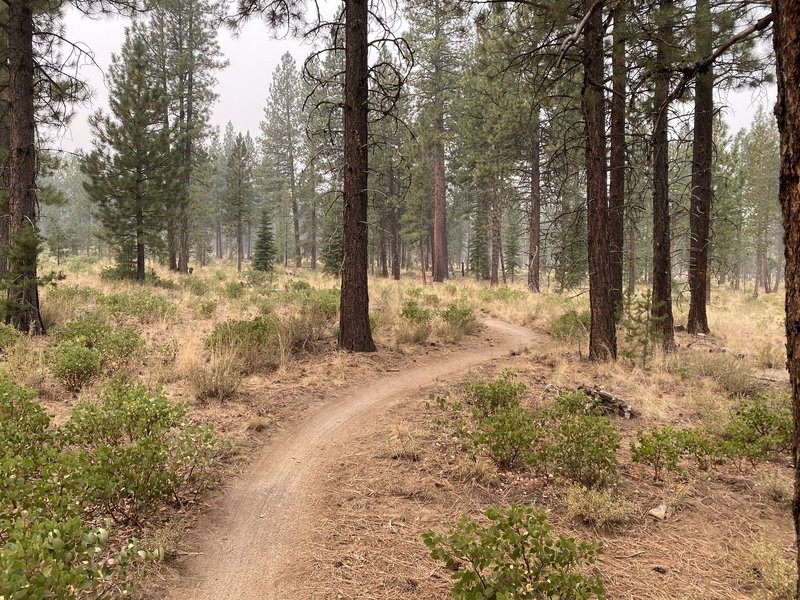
(116, 460)
(515, 556)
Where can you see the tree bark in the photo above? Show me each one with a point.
(496, 219)
(439, 213)
(787, 50)
(616, 197)
(602, 335)
(535, 217)
(354, 328)
(701, 197)
(23, 295)
(5, 145)
(661, 311)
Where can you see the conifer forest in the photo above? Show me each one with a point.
(498, 299)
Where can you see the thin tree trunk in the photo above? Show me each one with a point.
(219, 239)
(439, 214)
(354, 328)
(602, 336)
(140, 269)
(495, 229)
(239, 245)
(535, 217)
(787, 51)
(313, 233)
(631, 255)
(23, 296)
(661, 311)
(701, 197)
(394, 224)
(5, 145)
(616, 197)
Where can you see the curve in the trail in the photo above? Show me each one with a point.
(242, 545)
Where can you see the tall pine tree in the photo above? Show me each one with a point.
(131, 171)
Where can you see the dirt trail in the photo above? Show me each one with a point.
(243, 546)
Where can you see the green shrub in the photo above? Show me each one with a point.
(195, 285)
(115, 347)
(502, 293)
(256, 343)
(316, 314)
(459, 320)
(491, 396)
(511, 438)
(234, 290)
(76, 365)
(572, 326)
(142, 305)
(759, 429)
(207, 309)
(136, 450)
(46, 550)
(415, 323)
(583, 448)
(8, 336)
(661, 448)
(515, 556)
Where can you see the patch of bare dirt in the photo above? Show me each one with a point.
(247, 544)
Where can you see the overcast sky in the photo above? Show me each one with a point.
(242, 86)
(253, 53)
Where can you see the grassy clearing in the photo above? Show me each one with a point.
(244, 353)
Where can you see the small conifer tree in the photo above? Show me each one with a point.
(264, 255)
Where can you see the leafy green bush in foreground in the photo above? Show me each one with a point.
(515, 556)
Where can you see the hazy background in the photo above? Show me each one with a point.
(253, 53)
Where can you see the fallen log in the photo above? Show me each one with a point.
(609, 403)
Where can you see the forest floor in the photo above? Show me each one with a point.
(335, 464)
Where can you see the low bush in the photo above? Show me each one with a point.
(572, 326)
(601, 508)
(315, 315)
(218, 379)
(502, 293)
(515, 556)
(58, 486)
(255, 344)
(142, 305)
(491, 396)
(234, 290)
(458, 320)
(511, 437)
(415, 323)
(661, 448)
(76, 365)
(115, 347)
(8, 336)
(136, 450)
(760, 428)
(583, 447)
(769, 573)
(195, 285)
(730, 373)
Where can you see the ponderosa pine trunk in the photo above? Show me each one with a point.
(354, 328)
(5, 142)
(394, 224)
(602, 335)
(535, 217)
(701, 196)
(219, 239)
(787, 50)
(495, 233)
(661, 310)
(23, 294)
(439, 212)
(616, 196)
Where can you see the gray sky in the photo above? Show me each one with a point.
(242, 87)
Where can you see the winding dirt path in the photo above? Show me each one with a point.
(243, 547)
